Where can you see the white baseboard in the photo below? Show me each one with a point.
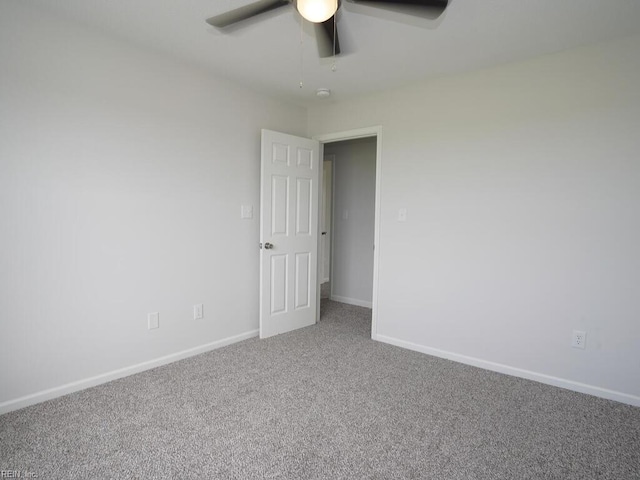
(516, 372)
(351, 301)
(55, 392)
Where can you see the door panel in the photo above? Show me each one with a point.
(305, 158)
(303, 206)
(280, 154)
(289, 232)
(302, 280)
(280, 205)
(278, 284)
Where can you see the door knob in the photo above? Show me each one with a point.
(268, 246)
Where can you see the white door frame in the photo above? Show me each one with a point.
(375, 131)
(328, 239)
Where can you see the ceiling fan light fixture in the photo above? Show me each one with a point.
(317, 11)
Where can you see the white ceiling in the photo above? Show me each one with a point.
(381, 50)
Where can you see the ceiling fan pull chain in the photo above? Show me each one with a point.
(333, 67)
(301, 52)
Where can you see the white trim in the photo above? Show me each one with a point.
(351, 301)
(32, 399)
(332, 160)
(349, 134)
(319, 269)
(375, 131)
(516, 372)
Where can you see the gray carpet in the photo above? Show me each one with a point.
(323, 402)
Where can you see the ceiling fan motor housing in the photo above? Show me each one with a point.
(317, 11)
(322, 14)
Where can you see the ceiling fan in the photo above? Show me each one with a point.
(322, 14)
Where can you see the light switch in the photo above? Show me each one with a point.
(345, 214)
(153, 320)
(246, 211)
(402, 215)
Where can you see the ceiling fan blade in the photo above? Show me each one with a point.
(243, 13)
(431, 9)
(325, 37)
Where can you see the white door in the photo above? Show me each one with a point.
(289, 195)
(325, 218)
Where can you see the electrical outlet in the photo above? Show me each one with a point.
(579, 339)
(153, 320)
(198, 311)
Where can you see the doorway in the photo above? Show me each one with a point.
(350, 218)
(326, 225)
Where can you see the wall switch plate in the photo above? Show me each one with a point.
(246, 211)
(153, 320)
(345, 214)
(198, 311)
(578, 339)
(402, 215)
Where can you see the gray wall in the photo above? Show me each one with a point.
(522, 186)
(354, 193)
(122, 174)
